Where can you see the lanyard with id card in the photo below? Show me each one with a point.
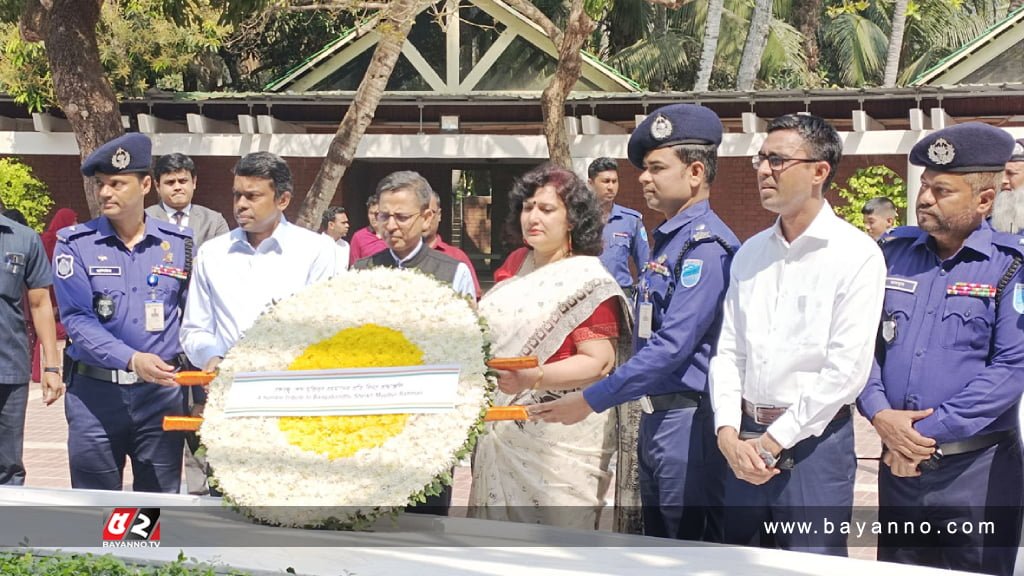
(645, 310)
(154, 307)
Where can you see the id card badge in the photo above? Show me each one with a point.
(154, 316)
(644, 320)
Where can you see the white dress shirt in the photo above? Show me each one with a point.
(461, 283)
(172, 211)
(799, 326)
(232, 283)
(343, 250)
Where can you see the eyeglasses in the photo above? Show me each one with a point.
(402, 219)
(776, 162)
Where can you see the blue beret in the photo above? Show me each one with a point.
(129, 153)
(1018, 151)
(967, 147)
(671, 125)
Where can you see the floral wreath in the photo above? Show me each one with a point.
(345, 471)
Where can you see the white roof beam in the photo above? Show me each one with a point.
(423, 67)
(151, 124)
(332, 64)
(753, 124)
(452, 41)
(199, 124)
(487, 60)
(572, 126)
(919, 120)
(269, 125)
(862, 122)
(43, 122)
(940, 119)
(247, 124)
(592, 125)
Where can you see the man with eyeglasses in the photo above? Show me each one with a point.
(403, 215)
(798, 333)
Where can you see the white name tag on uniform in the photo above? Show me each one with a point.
(644, 320)
(154, 316)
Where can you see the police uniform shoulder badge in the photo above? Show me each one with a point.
(661, 128)
(1018, 298)
(941, 152)
(121, 159)
(690, 273)
(65, 266)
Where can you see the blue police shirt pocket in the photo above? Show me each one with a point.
(967, 323)
(896, 311)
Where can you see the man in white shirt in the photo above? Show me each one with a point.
(800, 319)
(266, 258)
(334, 225)
(403, 215)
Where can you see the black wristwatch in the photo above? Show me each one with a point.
(52, 369)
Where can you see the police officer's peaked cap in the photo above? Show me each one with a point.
(132, 152)
(1018, 151)
(671, 125)
(968, 147)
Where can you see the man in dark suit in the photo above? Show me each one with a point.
(175, 178)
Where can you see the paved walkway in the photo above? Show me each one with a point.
(46, 460)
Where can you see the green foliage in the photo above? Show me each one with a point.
(868, 183)
(24, 71)
(20, 190)
(27, 564)
(142, 46)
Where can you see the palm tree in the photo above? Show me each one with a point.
(712, 25)
(892, 56)
(757, 35)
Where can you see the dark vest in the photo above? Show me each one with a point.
(427, 260)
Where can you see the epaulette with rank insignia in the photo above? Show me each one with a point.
(700, 235)
(172, 228)
(65, 235)
(1011, 243)
(631, 212)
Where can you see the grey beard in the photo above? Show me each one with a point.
(1008, 211)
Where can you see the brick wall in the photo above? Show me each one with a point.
(734, 195)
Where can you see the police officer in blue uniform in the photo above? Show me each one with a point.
(624, 234)
(949, 370)
(120, 280)
(677, 311)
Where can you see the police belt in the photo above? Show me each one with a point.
(975, 443)
(673, 401)
(765, 415)
(122, 377)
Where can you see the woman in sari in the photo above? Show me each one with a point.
(554, 300)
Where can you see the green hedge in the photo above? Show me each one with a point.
(28, 564)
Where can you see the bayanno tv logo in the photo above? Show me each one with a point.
(132, 528)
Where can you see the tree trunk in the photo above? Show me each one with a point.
(892, 58)
(750, 64)
(552, 100)
(707, 56)
(808, 21)
(68, 28)
(395, 22)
